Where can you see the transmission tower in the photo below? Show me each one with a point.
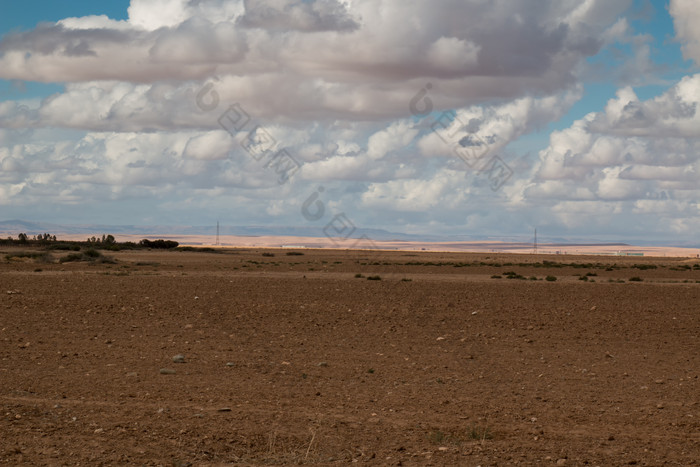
(535, 241)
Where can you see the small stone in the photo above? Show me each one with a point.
(561, 461)
(224, 409)
(167, 371)
(442, 448)
(18, 416)
(659, 381)
(659, 405)
(323, 364)
(132, 374)
(230, 364)
(179, 358)
(98, 431)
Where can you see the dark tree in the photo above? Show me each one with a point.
(160, 244)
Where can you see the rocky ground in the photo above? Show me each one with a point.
(266, 357)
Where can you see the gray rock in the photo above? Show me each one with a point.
(179, 358)
(167, 371)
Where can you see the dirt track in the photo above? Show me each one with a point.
(292, 359)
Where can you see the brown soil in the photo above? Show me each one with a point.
(293, 359)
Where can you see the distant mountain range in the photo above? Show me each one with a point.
(14, 227)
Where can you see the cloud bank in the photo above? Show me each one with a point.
(352, 89)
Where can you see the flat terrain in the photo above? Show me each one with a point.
(482, 246)
(292, 359)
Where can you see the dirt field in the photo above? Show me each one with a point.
(292, 359)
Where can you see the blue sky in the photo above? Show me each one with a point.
(588, 109)
(26, 15)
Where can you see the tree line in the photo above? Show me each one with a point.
(106, 242)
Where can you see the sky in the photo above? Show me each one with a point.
(448, 117)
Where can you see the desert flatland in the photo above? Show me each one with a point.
(449, 359)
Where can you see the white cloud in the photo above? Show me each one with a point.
(155, 14)
(634, 158)
(450, 52)
(297, 15)
(480, 50)
(686, 17)
(332, 81)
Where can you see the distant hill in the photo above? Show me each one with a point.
(15, 226)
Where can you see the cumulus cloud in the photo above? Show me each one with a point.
(307, 16)
(674, 113)
(686, 18)
(334, 82)
(635, 157)
(489, 129)
(482, 50)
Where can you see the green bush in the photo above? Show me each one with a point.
(91, 256)
(551, 278)
(92, 253)
(71, 257)
(64, 247)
